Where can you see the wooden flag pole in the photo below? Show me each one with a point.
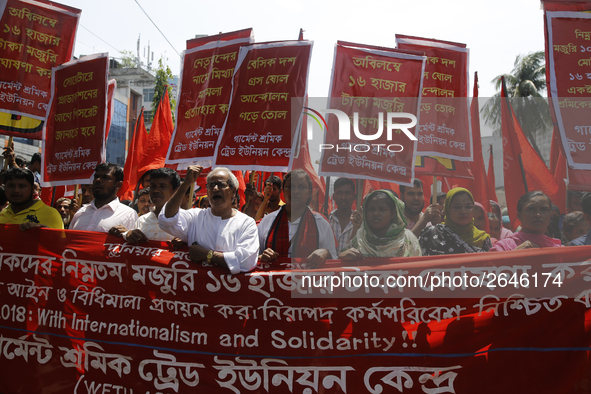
(326, 197)
(359, 188)
(10, 145)
(78, 195)
(434, 196)
(251, 181)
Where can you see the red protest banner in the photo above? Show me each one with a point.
(206, 85)
(88, 313)
(260, 127)
(74, 134)
(34, 37)
(444, 130)
(373, 87)
(569, 54)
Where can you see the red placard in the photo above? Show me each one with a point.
(444, 130)
(88, 313)
(206, 85)
(74, 134)
(259, 131)
(372, 82)
(34, 37)
(569, 53)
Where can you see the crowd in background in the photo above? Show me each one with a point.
(279, 222)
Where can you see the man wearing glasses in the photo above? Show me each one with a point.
(221, 235)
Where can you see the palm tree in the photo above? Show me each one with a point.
(524, 87)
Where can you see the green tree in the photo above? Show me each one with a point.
(524, 84)
(163, 78)
(128, 59)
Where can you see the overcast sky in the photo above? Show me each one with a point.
(495, 32)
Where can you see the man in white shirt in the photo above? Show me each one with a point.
(163, 183)
(340, 218)
(105, 211)
(219, 235)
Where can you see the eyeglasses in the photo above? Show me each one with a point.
(459, 207)
(297, 188)
(221, 185)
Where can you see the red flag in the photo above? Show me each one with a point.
(241, 186)
(478, 186)
(304, 162)
(130, 176)
(110, 106)
(148, 149)
(492, 193)
(524, 170)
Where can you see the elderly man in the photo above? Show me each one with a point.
(105, 211)
(64, 207)
(221, 235)
(23, 209)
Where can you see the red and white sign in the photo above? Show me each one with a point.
(369, 83)
(88, 313)
(444, 130)
(261, 124)
(569, 53)
(206, 85)
(74, 134)
(34, 37)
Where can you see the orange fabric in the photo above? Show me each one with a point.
(147, 150)
(515, 145)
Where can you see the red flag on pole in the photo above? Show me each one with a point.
(524, 170)
(492, 193)
(130, 176)
(479, 185)
(148, 149)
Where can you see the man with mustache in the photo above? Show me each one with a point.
(220, 235)
(105, 211)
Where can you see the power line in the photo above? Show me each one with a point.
(101, 39)
(157, 28)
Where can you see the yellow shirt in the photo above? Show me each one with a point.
(37, 213)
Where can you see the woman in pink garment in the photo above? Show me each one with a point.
(534, 212)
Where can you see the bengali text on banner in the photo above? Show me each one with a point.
(34, 37)
(90, 313)
(444, 130)
(204, 96)
(569, 54)
(74, 134)
(375, 89)
(259, 133)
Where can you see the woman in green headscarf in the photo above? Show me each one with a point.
(383, 233)
(457, 234)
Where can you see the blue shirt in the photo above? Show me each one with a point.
(582, 240)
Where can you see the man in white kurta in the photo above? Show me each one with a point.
(220, 235)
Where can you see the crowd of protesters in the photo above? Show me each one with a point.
(279, 222)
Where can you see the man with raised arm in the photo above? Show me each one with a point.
(163, 183)
(105, 211)
(219, 235)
